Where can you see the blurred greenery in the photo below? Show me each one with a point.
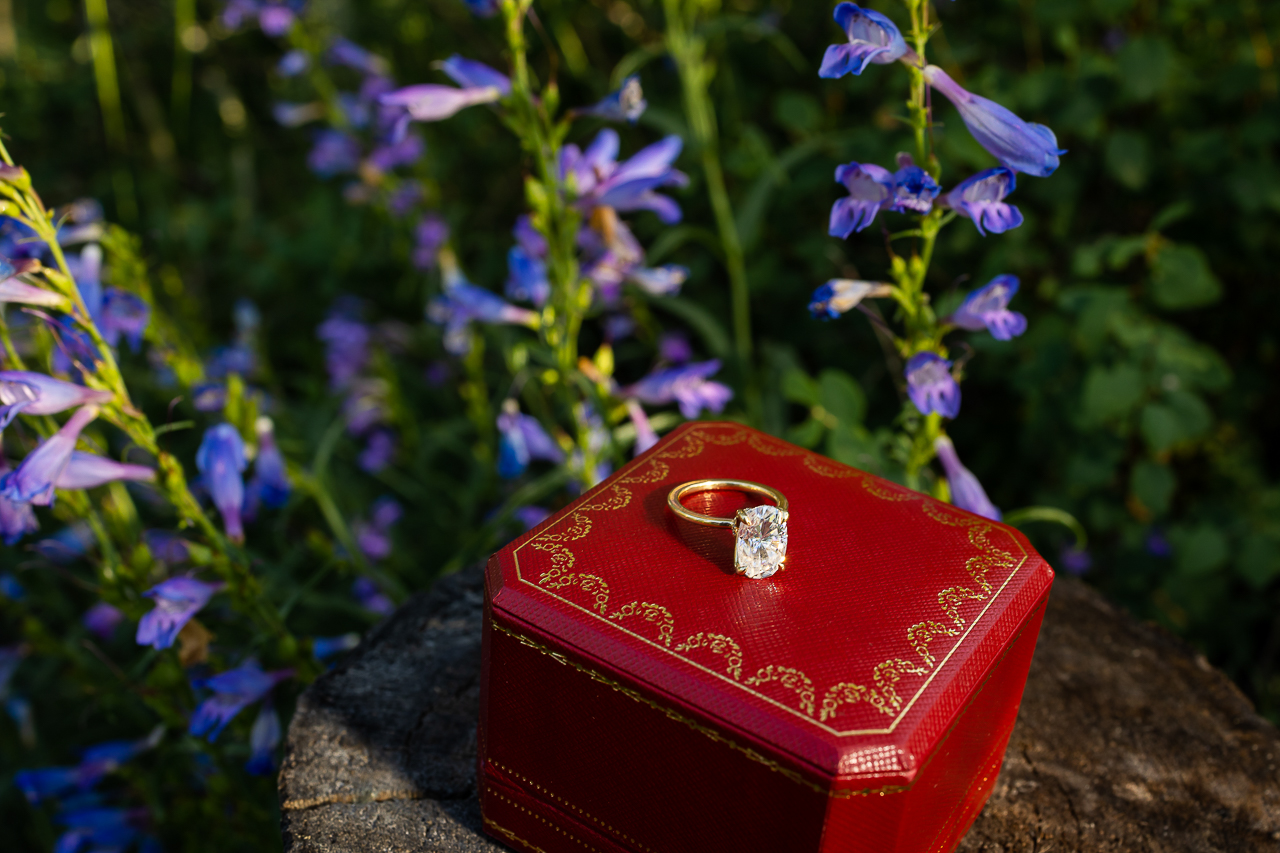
(1142, 399)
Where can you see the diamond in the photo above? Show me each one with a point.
(761, 541)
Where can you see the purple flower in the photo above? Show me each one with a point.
(94, 829)
(374, 536)
(87, 471)
(221, 461)
(276, 17)
(988, 307)
(13, 290)
(610, 255)
(177, 600)
(405, 152)
(1158, 545)
(346, 341)
(626, 104)
(599, 180)
(661, 281)
(401, 200)
(931, 386)
(124, 314)
(10, 588)
(167, 546)
(872, 38)
(1020, 145)
(674, 348)
(1076, 560)
(327, 647)
(264, 737)
(87, 272)
(981, 198)
(527, 277)
(346, 52)
(522, 440)
(233, 691)
(293, 63)
(618, 326)
(379, 451)
(842, 294)
(470, 74)
(531, 516)
(334, 153)
(914, 190)
(209, 397)
(646, 436)
(528, 237)
(38, 394)
(101, 619)
(371, 598)
(34, 479)
(67, 545)
(966, 491)
(433, 102)
(871, 190)
(431, 233)
(687, 385)
(270, 480)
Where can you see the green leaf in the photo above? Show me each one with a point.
(842, 396)
(859, 448)
(1146, 65)
(1259, 560)
(798, 112)
(800, 387)
(1111, 392)
(1180, 417)
(1181, 278)
(1199, 550)
(1171, 214)
(1128, 159)
(1153, 484)
(807, 434)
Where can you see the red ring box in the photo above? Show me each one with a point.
(639, 696)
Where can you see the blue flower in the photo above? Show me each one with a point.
(914, 190)
(1022, 146)
(646, 436)
(264, 737)
(430, 234)
(482, 8)
(123, 314)
(981, 198)
(35, 478)
(531, 516)
(600, 180)
(233, 691)
(470, 74)
(343, 51)
(527, 277)
(10, 588)
(871, 190)
(405, 152)
(88, 471)
(221, 461)
(463, 302)
(17, 518)
(660, 281)
(966, 492)
(688, 385)
(522, 439)
(48, 782)
(270, 480)
(372, 598)
(13, 290)
(931, 386)
(872, 38)
(379, 451)
(96, 829)
(626, 104)
(293, 63)
(988, 307)
(1075, 560)
(327, 647)
(842, 294)
(346, 340)
(334, 153)
(167, 546)
(177, 600)
(434, 102)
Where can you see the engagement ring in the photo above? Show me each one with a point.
(760, 532)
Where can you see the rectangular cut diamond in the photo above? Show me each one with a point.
(761, 541)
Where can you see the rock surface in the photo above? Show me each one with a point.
(1127, 741)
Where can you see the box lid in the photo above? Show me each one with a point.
(853, 661)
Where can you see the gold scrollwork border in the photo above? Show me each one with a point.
(883, 694)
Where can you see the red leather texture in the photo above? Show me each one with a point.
(639, 696)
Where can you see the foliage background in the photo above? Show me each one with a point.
(1143, 399)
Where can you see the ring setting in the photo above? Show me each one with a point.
(760, 532)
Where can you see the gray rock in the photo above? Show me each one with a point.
(1127, 740)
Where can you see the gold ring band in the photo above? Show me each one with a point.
(696, 486)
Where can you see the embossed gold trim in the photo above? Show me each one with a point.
(886, 675)
(539, 818)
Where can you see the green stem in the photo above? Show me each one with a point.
(104, 69)
(689, 52)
